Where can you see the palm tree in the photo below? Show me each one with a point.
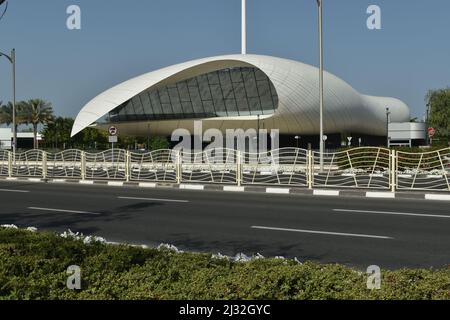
(6, 114)
(36, 112)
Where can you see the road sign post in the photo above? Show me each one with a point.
(349, 141)
(113, 139)
(431, 133)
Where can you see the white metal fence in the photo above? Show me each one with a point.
(423, 171)
(369, 168)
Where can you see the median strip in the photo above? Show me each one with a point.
(62, 210)
(393, 213)
(324, 233)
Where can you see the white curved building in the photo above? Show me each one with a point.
(231, 91)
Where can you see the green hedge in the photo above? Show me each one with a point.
(33, 266)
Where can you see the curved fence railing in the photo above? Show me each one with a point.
(368, 168)
(157, 165)
(287, 166)
(4, 163)
(109, 164)
(354, 168)
(66, 164)
(28, 164)
(210, 166)
(423, 171)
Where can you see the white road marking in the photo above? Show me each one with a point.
(147, 185)
(115, 183)
(233, 189)
(86, 182)
(10, 190)
(394, 213)
(277, 190)
(192, 187)
(153, 199)
(324, 232)
(386, 195)
(326, 193)
(62, 210)
(442, 197)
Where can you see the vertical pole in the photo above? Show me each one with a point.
(179, 167)
(44, 165)
(244, 27)
(321, 89)
(238, 168)
(10, 171)
(112, 148)
(83, 165)
(393, 170)
(388, 142)
(257, 138)
(13, 58)
(128, 166)
(310, 169)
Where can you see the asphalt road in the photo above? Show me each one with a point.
(357, 232)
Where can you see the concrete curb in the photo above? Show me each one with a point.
(413, 195)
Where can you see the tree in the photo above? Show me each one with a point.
(6, 114)
(57, 132)
(159, 143)
(92, 138)
(439, 102)
(36, 112)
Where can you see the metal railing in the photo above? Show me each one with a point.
(65, 164)
(288, 166)
(354, 168)
(367, 168)
(209, 166)
(423, 171)
(160, 165)
(109, 165)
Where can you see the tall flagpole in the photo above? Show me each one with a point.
(322, 142)
(244, 27)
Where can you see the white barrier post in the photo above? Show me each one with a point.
(83, 165)
(238, 168)
(44, 165)
(10, 167)
(128, 166)
(310, 169)
(393, 170)
(179, 167)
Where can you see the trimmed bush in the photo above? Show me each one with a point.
(33, 266)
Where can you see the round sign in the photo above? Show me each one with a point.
(113, 131)
(431, 132)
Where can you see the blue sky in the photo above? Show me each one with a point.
(122, 39)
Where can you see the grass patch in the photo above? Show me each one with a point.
(33, 265)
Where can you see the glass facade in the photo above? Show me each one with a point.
(223, 93)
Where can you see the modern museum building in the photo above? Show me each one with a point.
(243, 91)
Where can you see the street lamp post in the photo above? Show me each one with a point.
(297, 138)
(12, 59)
(388, 113)
(257, 136)
(320, 7)
(244, 27)
(428, 140)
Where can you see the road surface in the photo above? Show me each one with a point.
(357, 232)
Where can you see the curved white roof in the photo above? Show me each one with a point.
(297, 86)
